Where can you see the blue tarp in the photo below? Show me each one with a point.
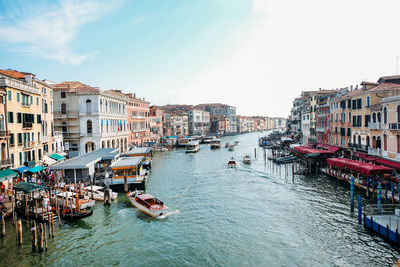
(22, 169)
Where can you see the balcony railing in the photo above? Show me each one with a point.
(18, 85)
(394, 126)
(58, 133)
(45, 139)
(359, 147)
(27, 125)
(375, 126)
(4, 134)
(29, 145)
(5, 162)
(375, 151)
(26, 104)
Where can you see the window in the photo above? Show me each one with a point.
(11, 139)
(10, 117)
(33, 137)
(19, 117)
(385, 142)
(88, 106)
(398, 144)
(398, 114)
(359, 103)
(385, 115)
(31, 100)
(9, 95)
(367, 120)
(348, 131)
(349, 116)
(19, 138)
(12, 159)
(39, 119)
(39, 154)
(38, 136)
(63, 108)
(63, 94)
(20, 158)
(64, 127)
(17, 97)
(368, 101)
(89, 126)
(37, 101)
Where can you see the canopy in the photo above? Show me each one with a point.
(22, 169)
(57, 157)
(7, 174)
(36, 169)
(49, 161)
(358, 166)
(370, 158)
(28, 187)
(308, 150)
(328, 147)
(389, 163)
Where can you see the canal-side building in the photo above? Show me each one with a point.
(156, 123)
(5, 161)
(138, 120)
(199, 122)
(391, 113)
(90, 118)
(23, 117)
(227, 111)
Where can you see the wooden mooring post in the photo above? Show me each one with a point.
(125, 184)
(19, 232)
(3, 224)
(34, 236)
(40, 237)
(45, 236)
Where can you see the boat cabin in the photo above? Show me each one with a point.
(144, 152)
(193, 146)
(148, 201)
(132, 169)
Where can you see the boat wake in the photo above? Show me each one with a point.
(168, 214)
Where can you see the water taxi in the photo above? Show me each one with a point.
(193, 147)
(231, 147)
(130, 168)
(216, 143)
(232, 163)
(97, 193)
(208, 139)
(147, 203)
(144, 152)
(247, 159)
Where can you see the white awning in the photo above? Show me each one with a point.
(49, 161)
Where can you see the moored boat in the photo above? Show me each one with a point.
(193, 147)
(97, 193)
(147, 203)
(74, 206)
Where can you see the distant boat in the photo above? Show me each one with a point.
(208, 139)
(237, 143)
(231, 147)
(247, 159)
(147, 203)
(193, 147)
(216, 143)
(232, 163)
(227, 145)
(98, 193)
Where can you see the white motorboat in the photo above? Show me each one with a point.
(231, 148)
(247, 159)
(216, 143)
(98, 193)
(193, 147)
(147, 203)
(237, 143)
(232, 163)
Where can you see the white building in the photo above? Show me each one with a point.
(305, 126)
(199, 122)
(90, 118)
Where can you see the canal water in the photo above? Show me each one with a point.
(249, 216)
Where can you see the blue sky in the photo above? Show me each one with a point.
(253, 54)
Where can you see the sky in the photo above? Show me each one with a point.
(257, 55)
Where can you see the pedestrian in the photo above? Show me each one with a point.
(2, 188)
(1, 200)
(10, 193)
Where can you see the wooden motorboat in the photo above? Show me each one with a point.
(98, 193)
(74, 206)
(247, 159)
(147, 203)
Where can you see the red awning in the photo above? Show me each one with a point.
(389, 163)
(370, 158)
(334, 149)
(308, 150)
(310, 144)
(358, 166)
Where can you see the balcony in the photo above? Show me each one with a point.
(18, 85)
(57, 133)
(27, 125)
(45, 139)
(4, 134)
(26, 104)
(359, 147)
(375, 126)
(394, 126)
(375, 151)
(5, 163)
(28, 145)
(321, 129)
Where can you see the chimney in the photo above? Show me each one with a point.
(29, 79)
(351, 87)
(134, 95)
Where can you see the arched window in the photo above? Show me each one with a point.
(385, 142)
(64, 127)
(354, 139)
(101, 105)
(379, 117)
(359, 139)
(106, 106)
(374, 142)
(89, 126)
(374, 117)
(63, 108)
(2, 128)
(368, 142)
(385, 115)
(88, 106)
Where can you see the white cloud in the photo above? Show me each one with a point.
(49, 32)
(300, 45)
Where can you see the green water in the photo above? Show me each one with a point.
(248, 216)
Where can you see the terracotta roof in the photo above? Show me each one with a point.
(68, 85)
(15, 74)
(386, 78)
(385, 87)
